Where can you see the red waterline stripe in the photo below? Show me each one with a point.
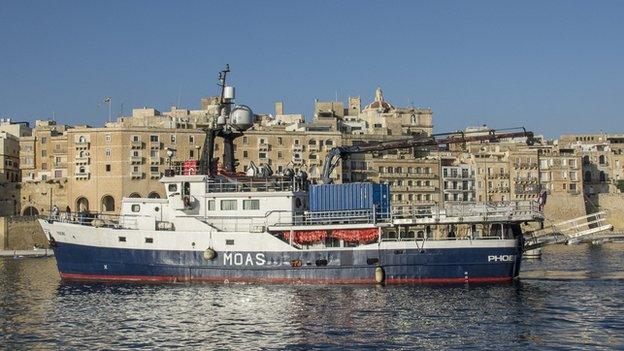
(137, 278)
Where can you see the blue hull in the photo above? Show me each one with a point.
(451, 265)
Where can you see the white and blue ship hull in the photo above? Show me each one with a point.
(88, 253)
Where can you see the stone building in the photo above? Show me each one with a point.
(9, 158)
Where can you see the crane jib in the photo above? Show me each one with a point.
(337, 153)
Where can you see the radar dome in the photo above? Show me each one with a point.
(242, 117)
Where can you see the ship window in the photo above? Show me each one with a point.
(149, 240)
(173, 187)
(122, 239)
(251, 204)
(136, 208)
(228, 205)
(229, 241)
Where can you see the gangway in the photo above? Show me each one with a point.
(582, 229)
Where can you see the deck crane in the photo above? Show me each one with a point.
(420, 140)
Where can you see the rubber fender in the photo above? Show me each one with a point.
(210, 254)
(380, 275)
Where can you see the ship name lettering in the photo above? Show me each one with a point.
(501, 258)
(240, 259)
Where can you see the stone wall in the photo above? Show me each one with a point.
(613, 204)
(21, 233)
(561, 207)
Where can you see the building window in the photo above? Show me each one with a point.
(58, 173)
(44, 153)
(136, 138)
(107, 137)
(107, 152)
(108, 168)
(191, 139)
(153, 153)
(191, 153)
(245, 154)
(280, 141)
(44, 166)
(262, 155)
(280, 155)
(296, 141)
(154, 138)
(228, 205)
(173, 138)
(44, 140)
(251, 204)
(154, 169)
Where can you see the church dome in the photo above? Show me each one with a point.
(379, 104)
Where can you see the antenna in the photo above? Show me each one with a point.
(179, 95)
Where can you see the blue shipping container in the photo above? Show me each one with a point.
(350, 196)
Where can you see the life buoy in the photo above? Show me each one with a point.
(191, 171)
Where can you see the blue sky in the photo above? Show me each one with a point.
(553, 66)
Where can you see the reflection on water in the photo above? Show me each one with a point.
(572, 297)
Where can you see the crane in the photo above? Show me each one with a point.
(420, 140)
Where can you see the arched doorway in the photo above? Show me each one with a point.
(82, 204)
(108, 203)
(30, 211)
(154, 195)
(135, 195)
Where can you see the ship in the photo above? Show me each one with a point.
(217, 225)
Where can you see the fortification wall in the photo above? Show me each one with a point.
(21, 233)
(614, 205)
(562, 207)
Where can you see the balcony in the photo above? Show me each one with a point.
(136, 159)
(526, 165)
(264, 147)
(498, 175)
(155, 175)
(136, 144)
(155, 145)
(136, 175)
(82, 160)
(155, 160)
(82, 175)
(297, 148)
(297, 161)
(81, 145)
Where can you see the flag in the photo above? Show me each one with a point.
(107, 100)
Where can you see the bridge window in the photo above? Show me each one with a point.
(136, 208)
(251, 204)
(211, 205)
(228, 205)
(173, 187)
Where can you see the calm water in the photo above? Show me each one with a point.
(572, 298)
